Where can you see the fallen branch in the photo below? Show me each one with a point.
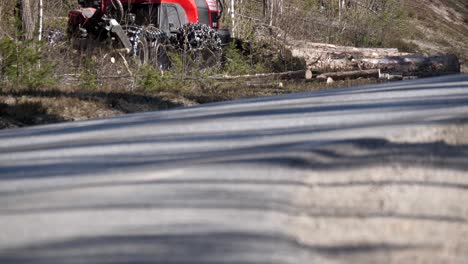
(127, 67)
(349, 75)
(290, 75)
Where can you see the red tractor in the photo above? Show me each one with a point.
(144, 28)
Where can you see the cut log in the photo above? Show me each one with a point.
(313, 52)
(349, 75)
(308, 75)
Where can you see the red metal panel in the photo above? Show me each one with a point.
(212, 5)
(188, 5)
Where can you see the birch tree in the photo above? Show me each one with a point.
(276, 8)
(40, 20)
(233, 17)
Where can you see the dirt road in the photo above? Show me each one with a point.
(374, 174)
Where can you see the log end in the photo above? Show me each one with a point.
(308, 75)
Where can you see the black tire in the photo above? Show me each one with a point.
(76, 41)
(142, 52)
(158, 56)
(198, 36)
(140, 47)
(225, 36)
(115, 10)
(201, 43)
(158, 44)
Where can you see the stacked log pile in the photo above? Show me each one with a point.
(316, 52)
(414, 65)
(329, 62)
(355, 62)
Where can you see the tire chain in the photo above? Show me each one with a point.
(135, 33)
(55, 36)
(155, 34)
(196, 36)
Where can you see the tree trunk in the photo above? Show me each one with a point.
(339, 10)
(272, 10)
(40, 21)
(233, 18)
(27, 21)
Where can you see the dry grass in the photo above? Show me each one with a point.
(439, 27)
(25, 108)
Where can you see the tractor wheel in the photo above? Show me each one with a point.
(158, 44)
(115, 10)
(159, 57)
(142, 52)
(197, 36)
(140, 48)
(202, 44)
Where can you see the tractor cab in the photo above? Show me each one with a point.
(209, 12)
(167, 17)
(172, 14)
(90, 3)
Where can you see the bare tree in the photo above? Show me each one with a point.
(40, 19)
(233, 18)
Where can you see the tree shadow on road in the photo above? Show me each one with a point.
(126, 102)
(211, 247)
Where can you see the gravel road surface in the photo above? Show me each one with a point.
(374, 174)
